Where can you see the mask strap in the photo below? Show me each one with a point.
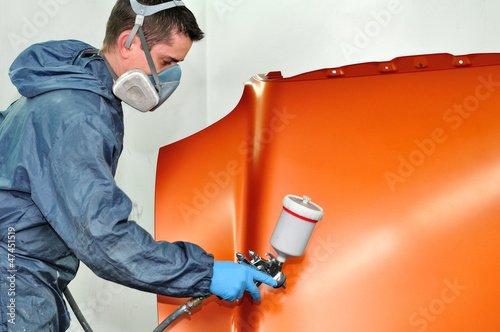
(139, 19)
(111, 71)
(142, 11)
(149, 58)
(101, 54)
(150, 10)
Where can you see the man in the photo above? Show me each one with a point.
(59, 148)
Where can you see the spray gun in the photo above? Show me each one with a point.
(290, 237)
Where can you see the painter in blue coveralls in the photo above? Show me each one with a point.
(59, 148)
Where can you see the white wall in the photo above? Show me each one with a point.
(244, 37)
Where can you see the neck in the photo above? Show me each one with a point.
(114, 61)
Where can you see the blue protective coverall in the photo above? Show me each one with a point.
(59, 204)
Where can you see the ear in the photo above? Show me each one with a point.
(122, 40)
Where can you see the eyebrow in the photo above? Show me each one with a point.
(173, 59)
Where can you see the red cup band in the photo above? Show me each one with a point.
(299, 216)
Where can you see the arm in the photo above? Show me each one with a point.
(77, 194)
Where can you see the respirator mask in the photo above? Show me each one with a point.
(135, 88)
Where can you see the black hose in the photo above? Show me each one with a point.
(173, 316)
(71, 300)
(185, 308)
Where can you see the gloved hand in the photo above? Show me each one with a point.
(230, 280)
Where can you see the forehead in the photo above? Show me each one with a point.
(177, 47)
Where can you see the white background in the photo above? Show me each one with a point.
(243, 38)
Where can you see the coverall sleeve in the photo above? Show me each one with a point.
(77, 194)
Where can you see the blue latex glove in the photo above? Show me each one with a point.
(231, 280)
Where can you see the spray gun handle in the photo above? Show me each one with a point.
(270, 266)
(243, 260)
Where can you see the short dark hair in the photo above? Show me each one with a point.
(158, 28)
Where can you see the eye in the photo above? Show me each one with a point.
(166, 63)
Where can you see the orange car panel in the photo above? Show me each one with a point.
(404, 158)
